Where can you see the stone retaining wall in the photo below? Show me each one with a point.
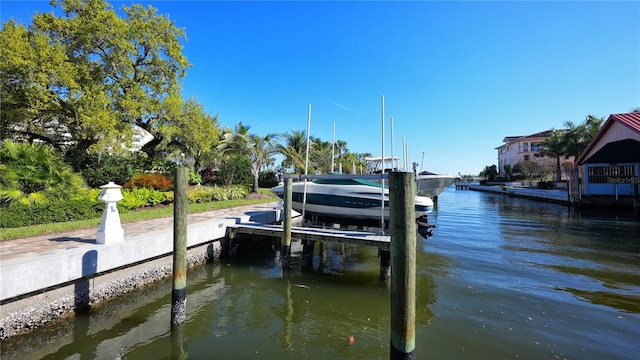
(29, 312)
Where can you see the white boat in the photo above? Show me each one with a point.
(427, 183)
(340, 197)
(430, 184)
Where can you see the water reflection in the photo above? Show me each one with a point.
(500, 278)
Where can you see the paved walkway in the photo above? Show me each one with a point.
(10, 249)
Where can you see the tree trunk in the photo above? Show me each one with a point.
(256, 183)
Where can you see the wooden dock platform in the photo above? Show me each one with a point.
(383, 242)
(462, 185)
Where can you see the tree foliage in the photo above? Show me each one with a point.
(261, 150)
(82, 79)
(570, 141)
(530, 170)
(294, 150)
(193, 137)
(490, 173)
(35, 174)
(555, 146)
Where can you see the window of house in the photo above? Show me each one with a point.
(609, 174)
(526, 158)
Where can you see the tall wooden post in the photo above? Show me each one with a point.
(286, 224)
(402, 226)
(180, 209)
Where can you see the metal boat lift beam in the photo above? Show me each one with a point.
(334, 177)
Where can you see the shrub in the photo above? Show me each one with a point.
(131, 199)
(35, 173)
(214, 193)
(545, 184)
(99, 170)
(141, 197)
(150, 181)
(236, 170)
(200, 195)
(194, 178)
(209, 176)
(18, 214)
(168, 195)
(267, 179)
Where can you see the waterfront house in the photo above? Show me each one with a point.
(611, 161)
(525, 148)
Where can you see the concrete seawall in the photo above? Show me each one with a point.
(556, 196)
(43, 285)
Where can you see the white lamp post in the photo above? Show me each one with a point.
(110, 228)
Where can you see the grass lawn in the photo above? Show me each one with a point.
(131, 216)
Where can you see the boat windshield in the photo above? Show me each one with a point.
(346, 182)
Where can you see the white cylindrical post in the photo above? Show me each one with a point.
(110, 228)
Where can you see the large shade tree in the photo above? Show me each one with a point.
(82, 79)
(193, 136)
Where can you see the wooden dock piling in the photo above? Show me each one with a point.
(286, 224)
(402, 227)
(462, 185)
(179, 292)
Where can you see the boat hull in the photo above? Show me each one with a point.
(361, 202)
(432, 185)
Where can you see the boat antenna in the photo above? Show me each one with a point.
(393, 164)
(306, 164)
(404, 152)
(422, 161)
(406, 159)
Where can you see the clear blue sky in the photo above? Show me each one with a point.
(457, 77)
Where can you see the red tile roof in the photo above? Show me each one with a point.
(630, 120)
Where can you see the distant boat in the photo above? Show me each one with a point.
(427, 183)
(342, 197)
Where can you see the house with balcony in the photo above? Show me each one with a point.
(525, 148)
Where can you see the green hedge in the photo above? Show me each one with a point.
(213, 193)
(87, 206)
(17, 215)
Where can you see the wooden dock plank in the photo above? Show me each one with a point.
(315, 234)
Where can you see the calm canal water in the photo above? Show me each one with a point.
(501, 278)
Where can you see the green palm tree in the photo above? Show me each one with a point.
(555, 145)
(233, 143)
(320, 155)
(235, 140)
(261, 150)
(294, 150)
(35, 174)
